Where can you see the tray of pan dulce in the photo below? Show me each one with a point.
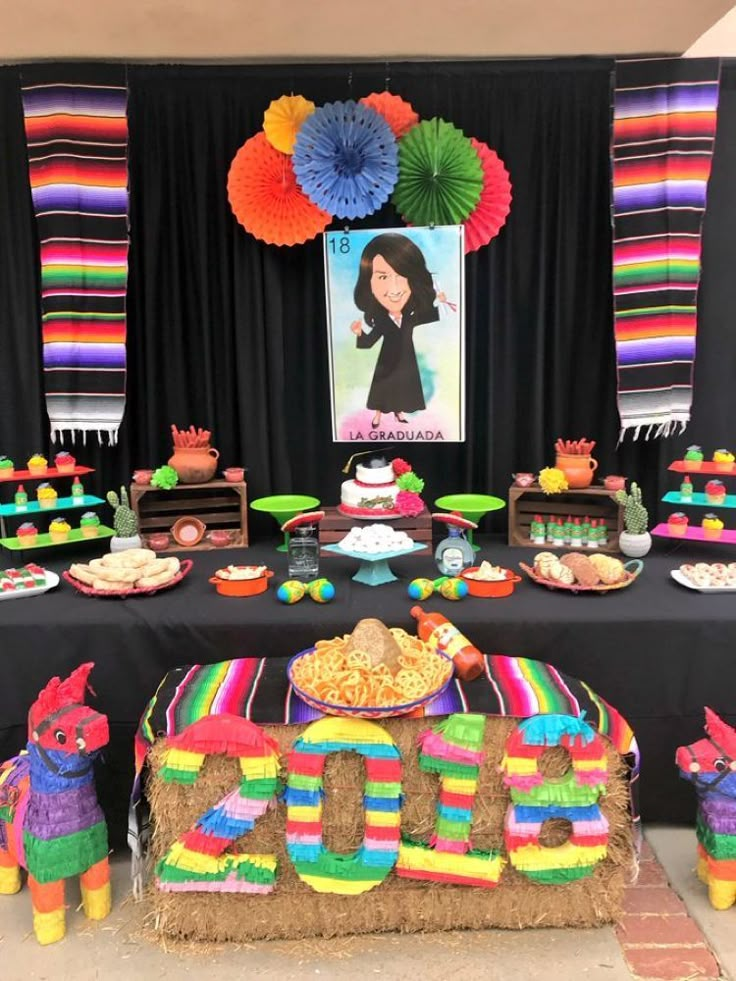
(578, 573)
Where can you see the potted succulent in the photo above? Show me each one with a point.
(635, 541)
(124, 521)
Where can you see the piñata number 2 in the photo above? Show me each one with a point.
(200, 859)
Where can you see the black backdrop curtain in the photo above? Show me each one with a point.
(229, 333)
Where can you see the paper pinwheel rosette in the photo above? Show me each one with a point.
(266, 199)
(489, 215)
(283, 119)
(440, 175)
(397, 112)
(345, 159)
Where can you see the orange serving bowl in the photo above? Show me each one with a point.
(241, 587)
(487, 588)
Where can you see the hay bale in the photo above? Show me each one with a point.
(295, 911)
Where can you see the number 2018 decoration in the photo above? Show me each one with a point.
(201, 859)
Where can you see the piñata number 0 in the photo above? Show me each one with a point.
(201, 860)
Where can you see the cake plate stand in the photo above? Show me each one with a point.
(471, 506)
(283, 507)
(374, 569)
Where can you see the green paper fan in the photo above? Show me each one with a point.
(440, 175)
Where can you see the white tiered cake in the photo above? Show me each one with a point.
(373, 492)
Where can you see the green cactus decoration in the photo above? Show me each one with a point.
(124, 519)
(636, 516)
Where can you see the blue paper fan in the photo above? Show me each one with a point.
(345, 159)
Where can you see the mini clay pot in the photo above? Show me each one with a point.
(142, 476)
(523, 479)
(234, 474)
(188, 532)
(159, 540)
(614, 482)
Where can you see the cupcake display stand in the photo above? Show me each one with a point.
(33, 509)
(698, 500)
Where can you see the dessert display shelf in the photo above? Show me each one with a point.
(727, 536)
(334, 526)
(51, 474)
(222, 505)
(712, 469)
(594, 502)
(44, 540)
(699, 500)
(62, 504)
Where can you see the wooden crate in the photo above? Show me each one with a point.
(595, 502)
(335, 526)
(218, 503)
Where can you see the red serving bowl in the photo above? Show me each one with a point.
(487, 588)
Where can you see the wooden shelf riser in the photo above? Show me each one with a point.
(219, 504)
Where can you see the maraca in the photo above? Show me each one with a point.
(321, 591)
(449, 588)
(290, 591)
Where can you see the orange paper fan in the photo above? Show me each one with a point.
(490, 214)
(283, 119)
(397, 112)
(266, 199)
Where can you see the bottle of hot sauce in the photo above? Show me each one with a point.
(438, 632)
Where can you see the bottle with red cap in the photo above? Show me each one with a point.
(439, 633)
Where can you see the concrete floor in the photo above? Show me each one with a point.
(118, 948)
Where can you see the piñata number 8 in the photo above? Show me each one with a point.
(536, 798)
(200, 859)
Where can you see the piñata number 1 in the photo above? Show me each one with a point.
(454, 750)
(200, 859)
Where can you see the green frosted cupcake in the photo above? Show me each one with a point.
(89, 524)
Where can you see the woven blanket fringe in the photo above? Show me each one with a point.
(654, 429)
(57, 434)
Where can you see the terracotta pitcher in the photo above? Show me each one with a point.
(194, 464)
(578, 468)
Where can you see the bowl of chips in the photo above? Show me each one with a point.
(336, 679)
(488, 580)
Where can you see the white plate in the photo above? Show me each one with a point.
(684, 581)
(52, 580)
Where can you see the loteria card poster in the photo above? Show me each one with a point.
(396, 329)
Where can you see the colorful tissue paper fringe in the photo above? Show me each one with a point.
(535, 799)
(454, 750)
(709, 765)
(664, 127)
(199, 860)
(368, 866)
(77, 134)
(50, 821)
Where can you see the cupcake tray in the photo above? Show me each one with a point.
(61, 504)
(44, 541)
(51, 474)
(728, 536)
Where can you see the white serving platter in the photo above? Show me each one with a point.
(684, 581)
(52, 581)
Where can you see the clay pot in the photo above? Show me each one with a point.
(194, 464)
(234, 474)
(614, 482)
(578, 468)
(523, 479)
(142, 476)
(159, 540)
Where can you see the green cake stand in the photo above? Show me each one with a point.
(283, 507)
(470, 506)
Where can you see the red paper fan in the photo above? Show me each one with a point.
(397, 112)
(266, 199)
(490, 214)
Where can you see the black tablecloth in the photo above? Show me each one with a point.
(656, 651)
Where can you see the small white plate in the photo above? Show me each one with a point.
(684, 581)
(52, 580)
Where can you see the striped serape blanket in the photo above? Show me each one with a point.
(77, 133)
(664, 125)
(258, 689)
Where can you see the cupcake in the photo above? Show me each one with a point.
(89, 524)
(723, 460)
(46, 496)
(715, 492)
(59, 530)
(693, 458)
(7, 468)
(38, 465)
(677, 524)
(65, 462)
(27, 534)
(712, 527)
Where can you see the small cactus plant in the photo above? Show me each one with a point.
(636, 516)
(124, 519)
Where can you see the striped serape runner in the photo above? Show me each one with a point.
(258, 689)
(664, 125)
(77, 134)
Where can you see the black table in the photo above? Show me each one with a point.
(655, 651)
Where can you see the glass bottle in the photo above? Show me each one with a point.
(303, 554)
(686, 488)
(21, 499)
(454, 553)
(77, 491)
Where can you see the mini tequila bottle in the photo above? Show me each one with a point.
(21, 499)
(454, 553)
(77, 492)
(686, 489)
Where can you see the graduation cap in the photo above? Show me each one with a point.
(372, 459)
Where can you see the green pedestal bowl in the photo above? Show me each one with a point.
(283, 507)
(471, 506)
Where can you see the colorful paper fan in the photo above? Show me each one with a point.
(440, 175)
(283, 119)
(345, 158)
(397, 112)
(266, 198)
(490, 215)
